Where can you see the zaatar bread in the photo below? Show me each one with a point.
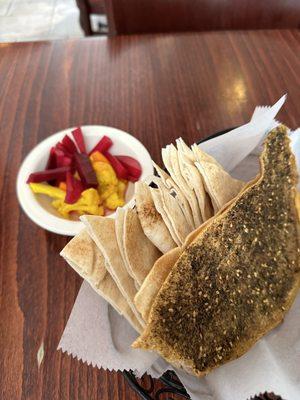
(152, 284)
(238, 278)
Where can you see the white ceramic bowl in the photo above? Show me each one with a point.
(38, 207)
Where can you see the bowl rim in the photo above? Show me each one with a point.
(29, 203)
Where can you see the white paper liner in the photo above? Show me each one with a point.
(96, 334)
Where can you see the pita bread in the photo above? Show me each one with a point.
(119, 226)
(177, 193)
(194, 179)
(102, 231)
(151, 221)
(173, 211)
(154, 280)
(86, 256)
(82, 254)
(140, 252)
(214, 305)
(220, 186)
(159, 205)
(170, 159)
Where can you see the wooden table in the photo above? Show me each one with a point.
(157, 88)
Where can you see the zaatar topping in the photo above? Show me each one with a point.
(237, 279)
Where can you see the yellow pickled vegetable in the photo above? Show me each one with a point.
(51, 191)
(89, 196)
(64, 209)
(105, 173)
(82, 211)
(88, 203)
(58, 204)
(114, 201)
(106, 191)
(97, 156)
(107, 179)
(122, 186)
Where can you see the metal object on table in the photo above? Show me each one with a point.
(173, 386)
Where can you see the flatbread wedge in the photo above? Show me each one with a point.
(220, 186)
(170, 159)
(177, 193)
(240, 275)
(153, 282)
(120, 234)
(193, 178)
(139, 251)
(180, 226)
(119, 229)
(82, 254)
(102, 231)
(159, 206)
(151, 221)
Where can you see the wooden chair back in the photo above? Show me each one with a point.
(146, 16)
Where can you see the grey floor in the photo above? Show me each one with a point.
(23, 20)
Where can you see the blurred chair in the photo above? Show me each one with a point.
(145, 16)
(86, 8)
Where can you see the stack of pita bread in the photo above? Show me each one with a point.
(195, 188)
(203, 265)
(116, 255)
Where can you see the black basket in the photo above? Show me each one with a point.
(172, 386)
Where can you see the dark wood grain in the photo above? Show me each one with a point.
(157, 87)
(144, 16)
